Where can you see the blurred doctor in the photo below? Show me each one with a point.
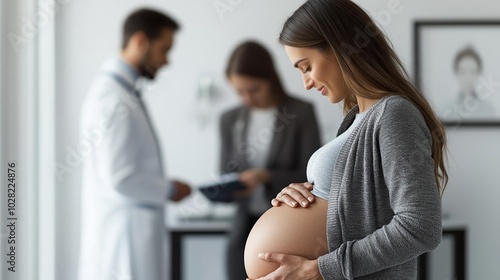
(124, 188)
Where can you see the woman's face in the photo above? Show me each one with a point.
(320, 70)
(254, 92)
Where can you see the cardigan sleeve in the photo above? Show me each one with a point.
(404, 143)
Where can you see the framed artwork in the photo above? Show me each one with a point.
(457, 66)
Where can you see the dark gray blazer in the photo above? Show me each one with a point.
(295, 139)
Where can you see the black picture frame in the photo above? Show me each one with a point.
(462, 111)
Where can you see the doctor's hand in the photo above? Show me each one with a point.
(252, 178)
(291, 267)
(294, 195)
(181, 191)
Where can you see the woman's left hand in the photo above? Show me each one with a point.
(296, 194)
(291, 267)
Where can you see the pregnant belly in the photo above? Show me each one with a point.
(295, 231)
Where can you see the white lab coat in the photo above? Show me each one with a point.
(124, 188)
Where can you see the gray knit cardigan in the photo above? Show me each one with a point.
(384, 209)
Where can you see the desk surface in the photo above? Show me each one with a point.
(200, 224)
(224, 224)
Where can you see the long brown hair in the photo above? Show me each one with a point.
(369, 65)
(254, 60)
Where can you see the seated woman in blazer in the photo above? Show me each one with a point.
(268, 140)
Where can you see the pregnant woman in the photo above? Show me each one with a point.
(375, 203)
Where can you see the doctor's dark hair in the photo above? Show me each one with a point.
(369, 65)
(150, 22)
(254, 60)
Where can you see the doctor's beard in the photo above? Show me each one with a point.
(148, 71)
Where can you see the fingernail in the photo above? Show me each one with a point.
(294, 203)
(304, 203)
(310, 199)
(260, 255)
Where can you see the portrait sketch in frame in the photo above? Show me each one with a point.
(457, 66)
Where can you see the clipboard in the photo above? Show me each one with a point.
(224, 188)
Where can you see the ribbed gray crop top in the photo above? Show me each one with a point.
(322, 162)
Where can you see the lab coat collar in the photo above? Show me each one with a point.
(120, 67)
(134, 73)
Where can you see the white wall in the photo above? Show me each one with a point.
(18, 141)
(88, 32)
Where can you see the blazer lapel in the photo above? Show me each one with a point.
(278, 136)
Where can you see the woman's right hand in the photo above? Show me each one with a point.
(294, 195)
